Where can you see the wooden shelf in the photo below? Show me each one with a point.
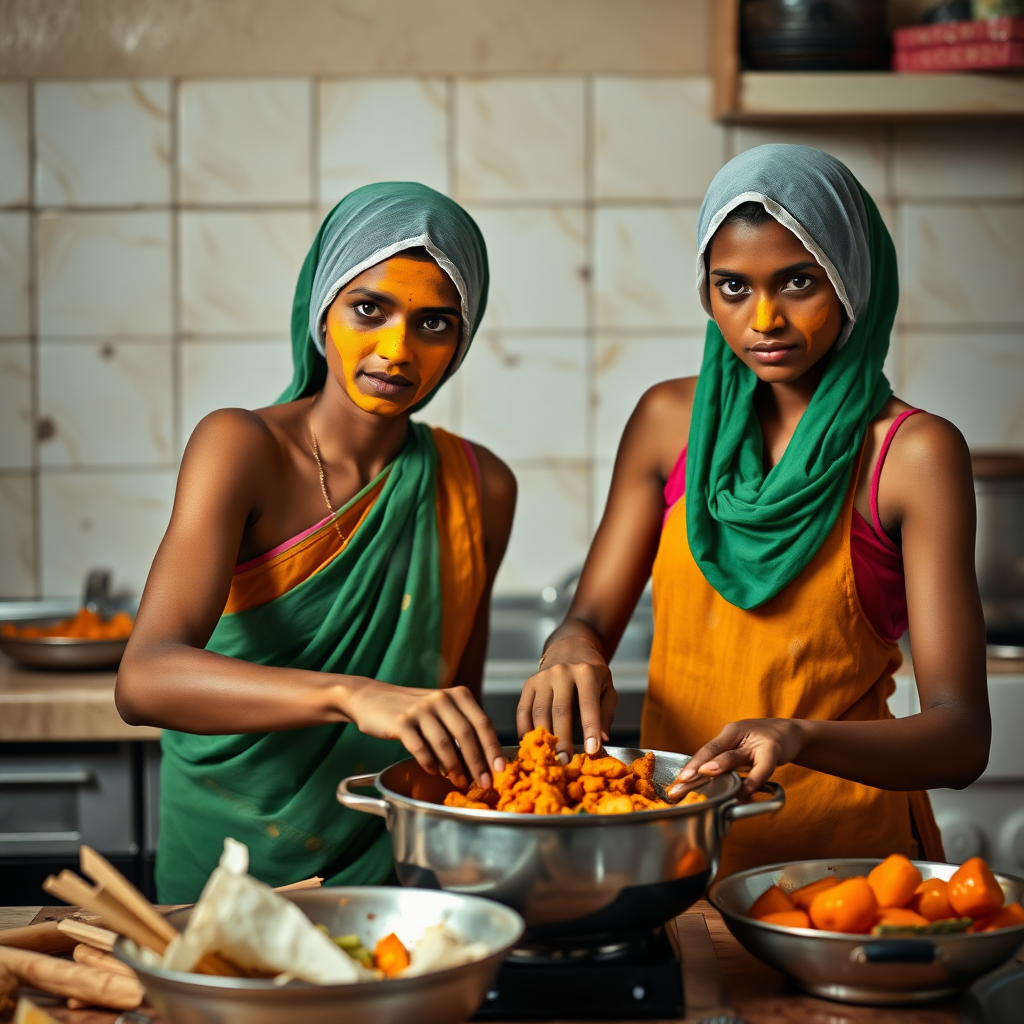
(757, 96)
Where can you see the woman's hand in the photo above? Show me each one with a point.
(756, 745)
(445, 730)
(575, 667)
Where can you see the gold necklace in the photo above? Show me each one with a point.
(320, 469)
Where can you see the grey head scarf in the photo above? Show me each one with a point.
(368, 226)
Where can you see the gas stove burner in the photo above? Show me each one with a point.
(570, 954)
(635, 978)
(1005, 642)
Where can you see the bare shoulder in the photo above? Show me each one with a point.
(660, 424)
(929, 444)
(231, 435)
(497, 481)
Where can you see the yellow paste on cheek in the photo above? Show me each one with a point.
(397, 341)
(810, 324)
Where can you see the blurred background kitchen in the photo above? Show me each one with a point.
(164, 167)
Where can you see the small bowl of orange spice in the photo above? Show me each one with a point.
(876, 931)
(85, 641)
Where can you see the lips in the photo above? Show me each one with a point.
(765, 353)
(386, 384)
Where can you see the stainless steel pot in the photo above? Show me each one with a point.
(859, 968)
(999, 551)
(371, 912)
(574, 878)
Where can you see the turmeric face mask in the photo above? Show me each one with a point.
(394, 329)
(772, 301)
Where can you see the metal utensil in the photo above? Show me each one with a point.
(371, 912)
(62, 652)
(574, 878)
(859, 968)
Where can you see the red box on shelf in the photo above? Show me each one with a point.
(961, 57)
(952, 33)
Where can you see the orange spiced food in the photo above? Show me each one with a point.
(893, 900)
(86, 625)
(536, 782)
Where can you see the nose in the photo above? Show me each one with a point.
(393, 341)
(766, 317)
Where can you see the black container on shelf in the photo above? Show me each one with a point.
(815, 35)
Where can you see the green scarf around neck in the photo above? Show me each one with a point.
(752, 533)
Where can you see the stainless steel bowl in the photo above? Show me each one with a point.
(442, 997)
(574, 878)
(859, 968)
(61, 652)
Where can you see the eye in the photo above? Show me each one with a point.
(435, 324)
(367, 309)
(799, 283)
(732, 287)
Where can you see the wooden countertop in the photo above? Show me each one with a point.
(717, 972)
(38, 705)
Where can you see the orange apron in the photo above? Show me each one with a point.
(809, 652)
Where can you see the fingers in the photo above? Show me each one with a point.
(765, 761)
(609, 701)
(592, 705)
(443, 747)
(411, 738)
(706, 759)
(524, 710)
(487, 738)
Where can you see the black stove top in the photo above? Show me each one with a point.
(639, 978)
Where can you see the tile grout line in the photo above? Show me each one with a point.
(590, 348)
(177, 351)
(315, 84)
(33, 326)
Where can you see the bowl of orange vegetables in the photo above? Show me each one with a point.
(876, 931)
(87, 640)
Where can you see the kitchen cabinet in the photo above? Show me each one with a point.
(746, 97)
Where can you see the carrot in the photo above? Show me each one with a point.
(390, 955)
(849, 906)
(804, 896)
(894, 881)
(973, 889)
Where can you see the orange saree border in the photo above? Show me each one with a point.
(461, 542)
(463, 568)
(287, 569)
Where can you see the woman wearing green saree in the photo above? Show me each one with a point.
(320, 598)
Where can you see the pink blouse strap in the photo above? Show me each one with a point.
(876, 476)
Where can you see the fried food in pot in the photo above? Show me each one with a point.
(536, 782)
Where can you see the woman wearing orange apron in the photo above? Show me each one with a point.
(794, 517)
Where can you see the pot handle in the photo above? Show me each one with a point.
(737, 811)
(366, 804)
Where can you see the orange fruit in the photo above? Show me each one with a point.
(803, 896)
(850, 906)
(894, 881)
(931, 900)
(772, 901)
(973, 890)
(1006, 917)
(788, 919)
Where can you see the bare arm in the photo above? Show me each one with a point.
(168, 679)
(618, 566)
(926, 497)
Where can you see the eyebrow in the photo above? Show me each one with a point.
(792, 269)
(382, 298)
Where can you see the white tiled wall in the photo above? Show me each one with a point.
(151, 232)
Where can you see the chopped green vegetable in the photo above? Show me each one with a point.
(347, 941)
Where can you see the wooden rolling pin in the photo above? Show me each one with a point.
(70, 980)
(42, 938)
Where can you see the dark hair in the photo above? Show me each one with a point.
(752, 213)
(420, 252)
